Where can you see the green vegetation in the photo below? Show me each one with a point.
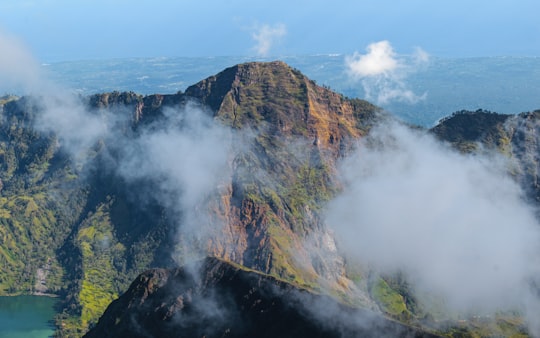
(497, 326)
(25, 243)
(33, 218)
(100, 252)
(465, 130)
(390, 300)
(59, 233)
(311, 189)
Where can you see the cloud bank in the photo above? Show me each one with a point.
(266, 36)
(455, 225)
(383, 73)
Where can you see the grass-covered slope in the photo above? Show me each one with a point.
(38, 203)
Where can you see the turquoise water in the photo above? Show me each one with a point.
(26, 316)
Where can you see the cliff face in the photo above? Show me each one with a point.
(285, 173)
(217, 299)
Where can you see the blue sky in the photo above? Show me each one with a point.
(57, 30)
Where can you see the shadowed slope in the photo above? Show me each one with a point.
(218, 299)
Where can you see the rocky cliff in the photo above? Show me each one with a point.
(280, 181)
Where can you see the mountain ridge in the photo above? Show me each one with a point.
(291, 133)
(263, 225)
(254, 305)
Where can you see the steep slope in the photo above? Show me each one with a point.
(276, 96)
(217, 299)
(285, 173)
(69, 227)
(265, 212)
(39, 202)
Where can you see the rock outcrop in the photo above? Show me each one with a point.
(214, 298)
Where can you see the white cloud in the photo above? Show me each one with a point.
(383, 73)
(266, 36)
(18, 69)
(455, 225)
(187, 156)
(379, 60)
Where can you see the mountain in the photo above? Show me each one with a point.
(238, 167)
(279, 182)
(513, 136)
(95, 229)
(215, 298)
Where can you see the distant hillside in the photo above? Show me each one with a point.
(514, 136)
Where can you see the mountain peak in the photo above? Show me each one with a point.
(213, 89)
(275, 95)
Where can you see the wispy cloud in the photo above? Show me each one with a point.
(455, 225)
(62, 112)
(18, 69)
(185, 155)
(266, 36)
(383, 73)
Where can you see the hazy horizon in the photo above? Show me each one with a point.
(58, 30)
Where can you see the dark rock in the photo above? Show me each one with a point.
(218, 299)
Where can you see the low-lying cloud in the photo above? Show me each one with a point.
(457, 226)
(383, 73)
(185, 154)
(266, 36)
(62, 112)
(188, 156)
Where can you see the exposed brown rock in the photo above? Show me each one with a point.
(272, 201)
